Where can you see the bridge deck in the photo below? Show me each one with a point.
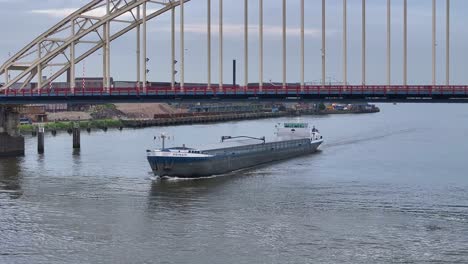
(380, 93)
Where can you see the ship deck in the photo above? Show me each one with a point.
(242, 146)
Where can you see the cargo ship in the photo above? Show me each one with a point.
(234, 153)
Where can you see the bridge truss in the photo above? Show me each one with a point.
(88, 30)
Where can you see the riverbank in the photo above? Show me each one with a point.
(184, 118)
(170, 120)
(200, 119)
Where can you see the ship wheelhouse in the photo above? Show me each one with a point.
(297, 130)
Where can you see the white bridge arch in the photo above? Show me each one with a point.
(61, 40)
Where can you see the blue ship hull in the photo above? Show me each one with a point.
(226, 160)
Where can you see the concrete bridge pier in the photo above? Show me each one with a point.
(40, 140)
(76, 136)
(11, 142)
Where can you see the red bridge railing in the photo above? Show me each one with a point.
(327, 90)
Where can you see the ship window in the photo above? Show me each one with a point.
(295, 125)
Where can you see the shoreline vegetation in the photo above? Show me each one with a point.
(176, 119)
(67, 125)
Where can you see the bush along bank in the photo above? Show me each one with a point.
(197, 118)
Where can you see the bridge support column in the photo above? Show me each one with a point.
(345, 44)
(72, 72)
(40, 140)
(39, 68)
(405, 43)
(260, 37)
(145, 58)
(173, 60)
(302, 46)
(7, 76)
(138, 49)
(434, 43)
(208, 29)
(364, 42)
(447, 44)
(324, 47)
(182, 46)
(389, 44)
(220, 70)
(107, 49)
(284, 45)
(11, 142)
(246, 44)
(76, 136)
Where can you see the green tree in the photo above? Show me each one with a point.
(322, 107)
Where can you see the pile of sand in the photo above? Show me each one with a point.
(146, 110)
(143, 111)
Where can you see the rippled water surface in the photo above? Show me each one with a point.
(386, 187)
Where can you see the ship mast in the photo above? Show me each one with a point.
(163, 137)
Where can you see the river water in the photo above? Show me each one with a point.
(386, 187)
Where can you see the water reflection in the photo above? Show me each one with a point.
(10, 177)
(76, 153)
(185, 188)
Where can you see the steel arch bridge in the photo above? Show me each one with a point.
(88, 25)
(88, 30)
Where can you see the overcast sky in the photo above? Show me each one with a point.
(23, 20)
